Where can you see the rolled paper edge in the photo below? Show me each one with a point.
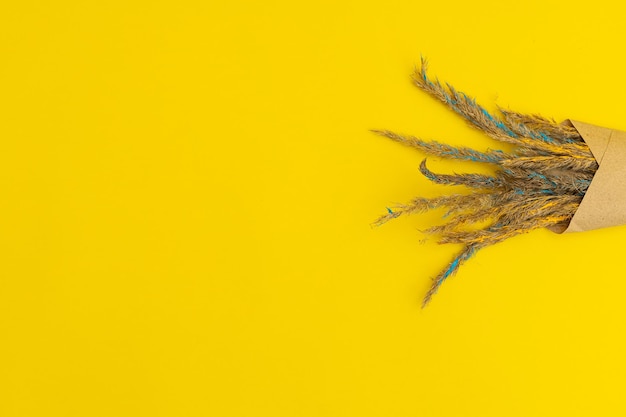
(604, 203)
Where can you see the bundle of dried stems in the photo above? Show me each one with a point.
(539, 184)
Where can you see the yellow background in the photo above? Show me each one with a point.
(186, 191)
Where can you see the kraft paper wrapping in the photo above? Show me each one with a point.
(604, 203)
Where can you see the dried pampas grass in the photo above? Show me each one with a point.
(540, 183)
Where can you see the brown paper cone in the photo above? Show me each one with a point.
(604, 203)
